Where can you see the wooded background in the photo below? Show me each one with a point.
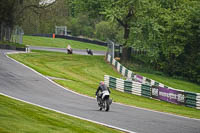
(169, 30)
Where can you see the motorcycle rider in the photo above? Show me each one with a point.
(102, 87)
(89, 51)
(69, 49)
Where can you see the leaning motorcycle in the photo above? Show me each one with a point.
(104, 101)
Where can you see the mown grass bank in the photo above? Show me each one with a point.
(174, 83)
(177, 83)
(60, 43)
(19, 117)
(83, 73)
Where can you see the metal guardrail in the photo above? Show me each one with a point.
(142, 86)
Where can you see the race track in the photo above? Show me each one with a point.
(64, 50)
(22, 83)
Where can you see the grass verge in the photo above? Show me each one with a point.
(148, 72)
(19, 117)
(60, 43)
(83, 74)
(174, 83)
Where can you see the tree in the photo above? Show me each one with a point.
(93, 8)
(12, 14)
(105, 30)
(124, 12)
(45, 19)
(7, 17)
(170, 30)
(80, 26)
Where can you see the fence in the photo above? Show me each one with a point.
(191, 99)
(188, 99)
(114, 49)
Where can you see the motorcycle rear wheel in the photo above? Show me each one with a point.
(107, 105)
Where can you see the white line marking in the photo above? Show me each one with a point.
(121, 129)
(110, 126)
(94, 98)
(47, 77)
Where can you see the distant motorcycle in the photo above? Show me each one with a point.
(69, 51)
(89, 51)
(104, 101)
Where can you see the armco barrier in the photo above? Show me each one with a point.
(142, 86)
(171, 95)
(146, 90)
(192, 99)
(12, 47)
(124, 85)
(128, 86)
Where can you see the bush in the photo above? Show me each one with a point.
(80, 26)
(105, 30)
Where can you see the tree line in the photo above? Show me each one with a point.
(12, 14)
(169, 30)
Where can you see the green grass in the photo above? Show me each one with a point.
(60, 43)
(83, 73)
(160, 77)
(172, 82)
(19, 117)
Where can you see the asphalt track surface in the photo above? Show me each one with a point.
(75, 51)
(20, 82)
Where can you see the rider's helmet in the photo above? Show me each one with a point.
(101, 83)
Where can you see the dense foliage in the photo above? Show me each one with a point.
(12, 14)
(168, 30)
(8, 17)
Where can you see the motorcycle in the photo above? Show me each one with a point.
(89, 51)
(69, 51)
(104, 101)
